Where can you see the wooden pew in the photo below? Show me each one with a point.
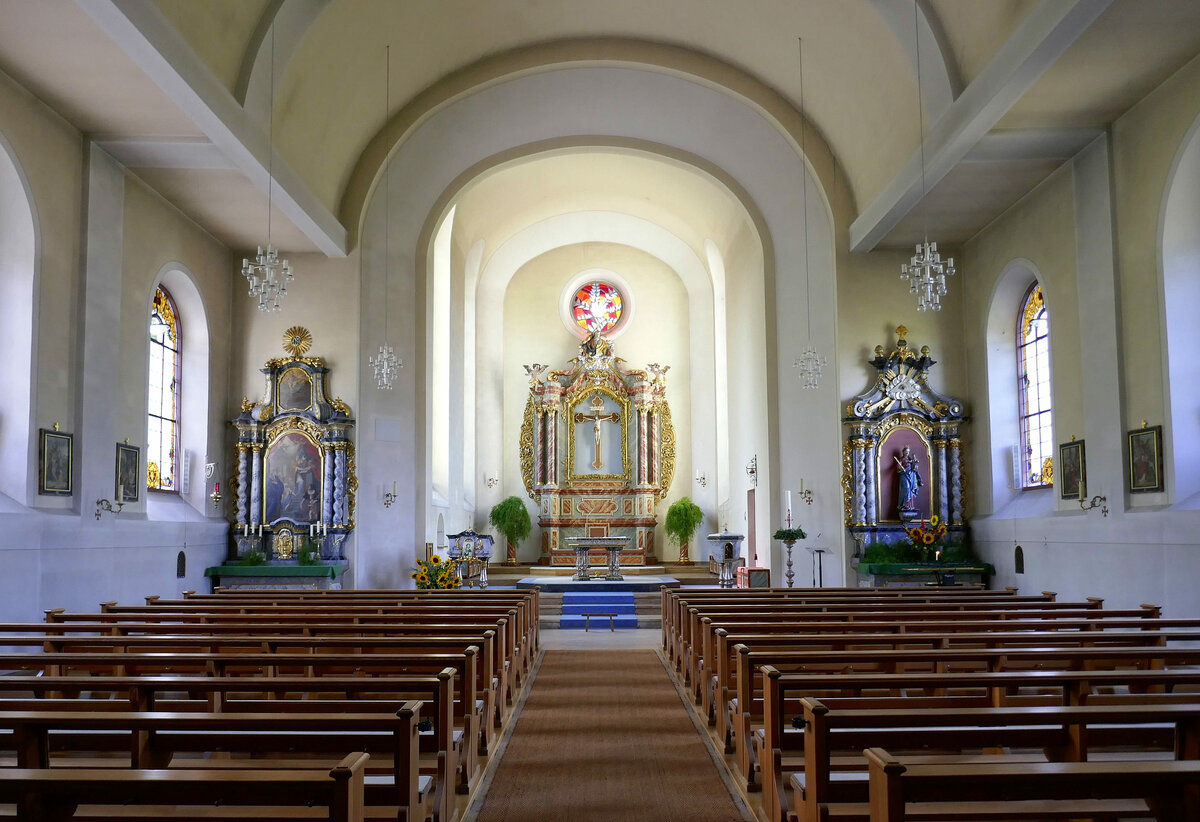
(748, 707)
(53, 794)
(1052, 733)
(967, 791)
(783, 747)
(460, 734)
(157, 740)
(721, 688)
(504, 626)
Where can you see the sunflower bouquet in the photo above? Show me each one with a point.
(928, 536)
(433, 572)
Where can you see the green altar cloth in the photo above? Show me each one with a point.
(883, 574)
(266, 577)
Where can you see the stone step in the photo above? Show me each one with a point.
(576, 622)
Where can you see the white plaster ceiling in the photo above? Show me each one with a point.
(163, 84)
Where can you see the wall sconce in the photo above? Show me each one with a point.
(210, 470)
(752, 470)
(389, 496)
(105, 505)
(491, 481)
(1097, 501)
(805, 495)
(701, 479)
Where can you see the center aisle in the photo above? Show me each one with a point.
(605, 736)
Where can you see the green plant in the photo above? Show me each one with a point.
(682, 518)
(510, 518)
(308, 555)
(790, 534)
(252, 556)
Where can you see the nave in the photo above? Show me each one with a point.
(875, 705)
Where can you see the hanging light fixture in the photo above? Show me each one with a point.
(926, 273)
(809, 364)
(268, 275)
(386, 364)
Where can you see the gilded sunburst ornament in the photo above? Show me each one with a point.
(297, 340)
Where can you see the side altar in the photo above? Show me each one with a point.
(295, 483)
(597, 453)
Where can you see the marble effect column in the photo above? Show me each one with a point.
(256, 512)
(243, 486)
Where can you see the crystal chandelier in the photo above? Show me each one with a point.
(809, 364)
(925, 273)
(386, 364)
(268, 275)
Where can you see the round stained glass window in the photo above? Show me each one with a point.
(597, 306)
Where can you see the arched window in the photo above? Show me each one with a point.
(162, 414)
(1033, 390)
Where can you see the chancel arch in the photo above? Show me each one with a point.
(18, 311)
(1180, 258)
(576, 105)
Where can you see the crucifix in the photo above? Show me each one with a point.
(597, 416)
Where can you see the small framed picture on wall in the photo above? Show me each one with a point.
(127, 485)
(54, 462)
(1072, 471)
(1145, 459)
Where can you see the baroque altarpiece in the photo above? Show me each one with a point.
(597, 452)
(295, 483)
(902, 459)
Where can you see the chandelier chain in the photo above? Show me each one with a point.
(386, 364)
(926, 272)
(267, 274)
(809, 363)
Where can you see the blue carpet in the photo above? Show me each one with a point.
(577, 604)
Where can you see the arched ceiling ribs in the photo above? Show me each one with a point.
(940, 80)
(144, 33)
(1042, 37)
(292, 20)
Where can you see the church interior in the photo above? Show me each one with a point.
(600, 258)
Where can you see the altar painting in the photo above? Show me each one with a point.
(598, 441)
(293, 487)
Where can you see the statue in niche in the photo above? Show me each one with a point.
(908, 473)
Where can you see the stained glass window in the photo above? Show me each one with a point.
(597, 307)
(163, 395)
(1033, 389)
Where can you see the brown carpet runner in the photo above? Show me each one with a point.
(605, 736)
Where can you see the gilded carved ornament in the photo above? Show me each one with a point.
(526, 448)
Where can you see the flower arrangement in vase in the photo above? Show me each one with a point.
(434, 573)
(928, 536)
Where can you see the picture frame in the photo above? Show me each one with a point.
(55, 466)
(127, 484)
(1144, 447)
(1071, 470)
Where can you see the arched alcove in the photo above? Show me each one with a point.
(194, 384)
(1001, 496)
(18, 312)
(1181, 304)
(595, 107)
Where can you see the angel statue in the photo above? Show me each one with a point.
(534, 372)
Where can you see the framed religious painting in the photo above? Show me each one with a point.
(1145, 459)
(54, 463)
(1071, 470)
(127, 480)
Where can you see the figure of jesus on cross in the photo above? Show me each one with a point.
(597, 416)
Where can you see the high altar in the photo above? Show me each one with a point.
(597, 452)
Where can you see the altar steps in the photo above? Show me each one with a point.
(576, 605)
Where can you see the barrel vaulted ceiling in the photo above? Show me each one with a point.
(179, 90)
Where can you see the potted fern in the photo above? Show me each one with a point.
(682, 518)
(511, 519)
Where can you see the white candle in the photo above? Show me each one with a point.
(789, 501)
